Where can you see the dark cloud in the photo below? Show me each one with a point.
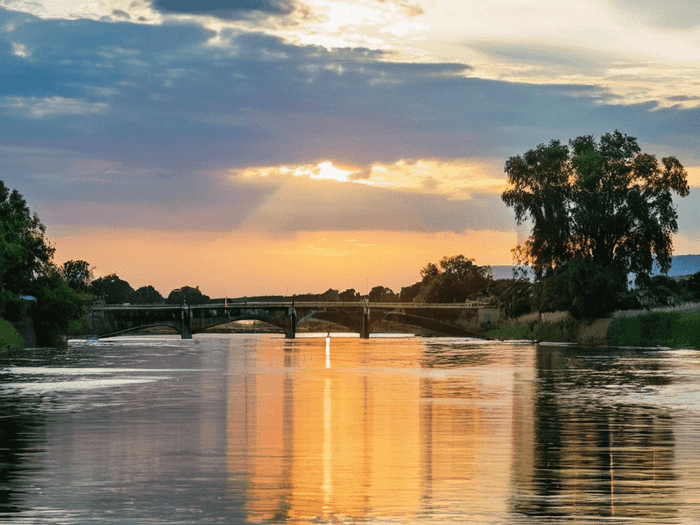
(226, 9)
(175, 107)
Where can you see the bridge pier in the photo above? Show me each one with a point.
(364, 329)
(290, 331)
(186, 322)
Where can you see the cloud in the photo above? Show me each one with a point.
(20, 50)
(48, 107)
(665, 14)
(306, 205)
(224, 8)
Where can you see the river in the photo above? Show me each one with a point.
(254, 428)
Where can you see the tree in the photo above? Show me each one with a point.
(24, 251)
(457, 280)
(600, 209)
(409, 293)
(187, 294)
(112, 289)
(147, 295)
(59, 309)
(26, 267)
(77, 274)
(693, 285)
(382, 294)
(349, 295)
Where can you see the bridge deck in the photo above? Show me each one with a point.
(298, 304)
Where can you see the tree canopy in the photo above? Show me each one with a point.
(24, 250)
(187, 294)
(77, 274)
(27, 268)
(598, 210)
(112, 289)
(457, 280)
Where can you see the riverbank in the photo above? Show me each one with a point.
(674, 327)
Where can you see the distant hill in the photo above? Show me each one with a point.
(680, 266)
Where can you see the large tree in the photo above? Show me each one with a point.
(24, 251)
(598, 211)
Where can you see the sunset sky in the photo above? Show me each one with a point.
(279, 146)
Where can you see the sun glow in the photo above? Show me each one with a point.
(457, 179)
(326, 170)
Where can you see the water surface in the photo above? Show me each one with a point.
(259, 429)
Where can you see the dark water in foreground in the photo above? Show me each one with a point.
(257, 429)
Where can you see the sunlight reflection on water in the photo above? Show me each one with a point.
(260, 429)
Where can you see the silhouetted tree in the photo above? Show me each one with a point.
(409, 293)
(349, 295)
(605, 207)
(330, 295)
(383, 295)
(77, 274)
(111, 289)
(187, 294)
(457, 280)
(147, 295)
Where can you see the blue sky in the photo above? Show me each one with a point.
(260, 146)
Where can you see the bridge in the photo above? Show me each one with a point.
(461, 319)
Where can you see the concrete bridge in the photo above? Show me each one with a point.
(462, 319)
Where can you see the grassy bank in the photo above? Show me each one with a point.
(676, 327)
(9, 337)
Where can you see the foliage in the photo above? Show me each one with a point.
(513, 296)
(111, 289)
(9, 336)
(349, 295)
(147, 295)
(605, 205)
(381, 294)
(693, 286)
(661, 290)
(57, 307)
(330, 295)
(77, 274)
(24, 251)
(595, 289)
(457, 280)
(409, 293)
(187, 294)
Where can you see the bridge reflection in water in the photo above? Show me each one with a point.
(378, 434)
(461, 319)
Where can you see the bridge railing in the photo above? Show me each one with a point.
(300, 304)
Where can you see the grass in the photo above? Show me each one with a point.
(9, 336)
(672, 326)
